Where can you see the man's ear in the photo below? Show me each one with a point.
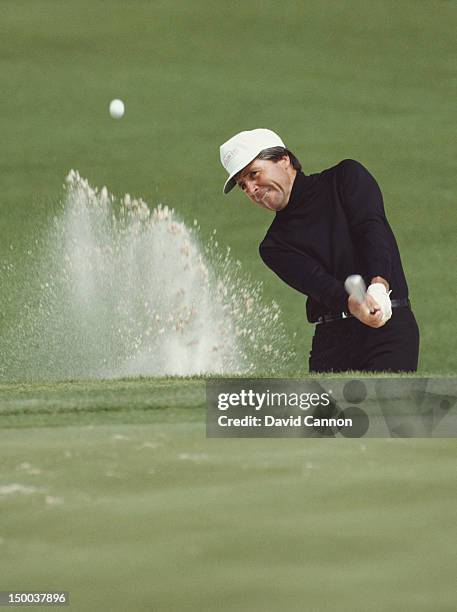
(285, 161)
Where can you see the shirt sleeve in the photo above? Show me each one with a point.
(304, 274)
(364, 208)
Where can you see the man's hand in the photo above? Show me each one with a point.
(368, 312)
(378, 292)
(380, 279)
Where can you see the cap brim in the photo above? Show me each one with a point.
(229, 185)
(230, 182)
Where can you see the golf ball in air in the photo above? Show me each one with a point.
(116, 109)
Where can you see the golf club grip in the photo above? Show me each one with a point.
(356, 287)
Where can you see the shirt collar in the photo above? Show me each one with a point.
(299, 189)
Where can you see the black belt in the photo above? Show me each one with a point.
(328, 318)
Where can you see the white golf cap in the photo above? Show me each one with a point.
(242, 148)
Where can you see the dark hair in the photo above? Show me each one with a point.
(276, 153)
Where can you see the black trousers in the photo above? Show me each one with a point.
(348, 344)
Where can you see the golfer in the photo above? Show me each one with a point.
(328, 226)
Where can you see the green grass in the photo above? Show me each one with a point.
(127, 505)
(101, 402)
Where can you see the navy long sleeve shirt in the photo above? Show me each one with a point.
(334, 225)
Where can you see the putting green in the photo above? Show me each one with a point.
(128, 506)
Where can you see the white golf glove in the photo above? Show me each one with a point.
(379, 293)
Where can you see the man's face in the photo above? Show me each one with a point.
(268, 183)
